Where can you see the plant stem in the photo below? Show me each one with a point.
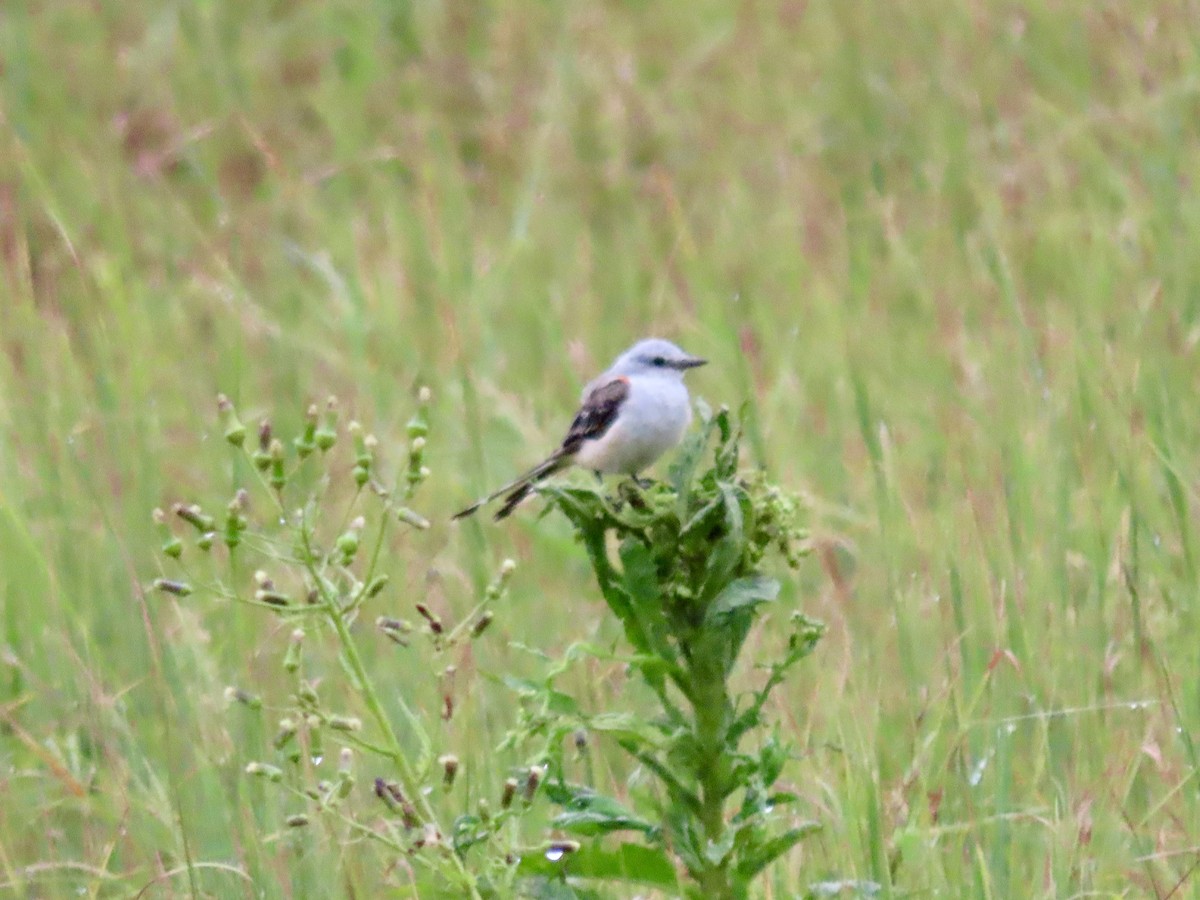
(711, 709)
(370, 698)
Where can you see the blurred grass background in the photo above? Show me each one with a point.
(948, 250)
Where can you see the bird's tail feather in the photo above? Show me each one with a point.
(518, 489)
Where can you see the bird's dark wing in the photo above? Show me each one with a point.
(596, 415)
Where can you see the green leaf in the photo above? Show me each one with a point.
(716, 853)
(645, 626)
(589, 813)
(771, 759)
(757, 858)
(641, 578)
(683, 837)
(467, 831)
(742, 595)
(626, 727)
(649, 866)
(721, 419)
(560, 703)
(683, 799)
(591, 822)
(729, 450)
(702, 521)
(683, 469)
(729, 549)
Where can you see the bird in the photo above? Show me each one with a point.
(629, 416)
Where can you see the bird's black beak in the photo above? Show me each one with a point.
(691, 362)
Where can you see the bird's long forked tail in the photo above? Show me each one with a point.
(519, 488)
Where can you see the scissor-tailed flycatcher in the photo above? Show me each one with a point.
(630, 416)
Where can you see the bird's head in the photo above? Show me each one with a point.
(655, 355)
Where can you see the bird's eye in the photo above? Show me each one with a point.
(659, 361)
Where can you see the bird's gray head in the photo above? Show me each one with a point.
(654, 355)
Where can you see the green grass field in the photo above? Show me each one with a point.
(948, 251)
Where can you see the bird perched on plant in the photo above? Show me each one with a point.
(630, 416)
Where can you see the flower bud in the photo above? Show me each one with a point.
(326, 435)
(278, 475)
(510, 791)
(285, 735)
(271, 597)
(408, 816)
(306, 443)
(237, 695)
(416, 461)
(265, 770)
(194, 516)
(291, 656)
(235, 431)
(171, 545)
(408, 517)
(348, 541)
(345, 775)
(262, 456)
(397, 630)
(416, 428)
(435, 624)
(382, 792)
(418, 425)
(307, 695)
(536, 773)
(235, 520)
(496, 588)
(481, 624)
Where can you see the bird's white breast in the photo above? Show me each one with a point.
(650, 422)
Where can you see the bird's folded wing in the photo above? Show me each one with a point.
(600, 409)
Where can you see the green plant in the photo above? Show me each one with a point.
(311, 525)
(687, 586)
(687, 591)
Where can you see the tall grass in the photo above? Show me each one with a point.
(946, 250)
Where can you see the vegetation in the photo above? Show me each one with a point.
(945, 252)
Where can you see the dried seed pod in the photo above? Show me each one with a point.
(169, 586)
(449, 764)
(507, 794)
